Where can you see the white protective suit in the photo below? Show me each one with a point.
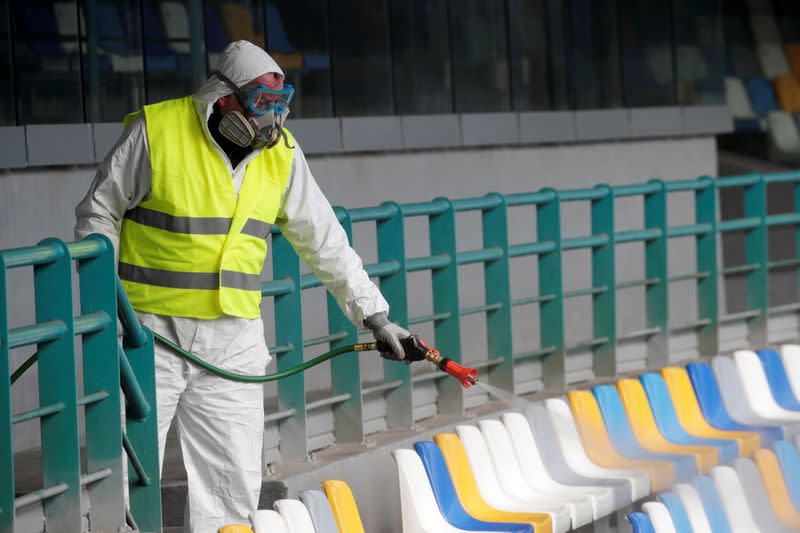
(221, 422)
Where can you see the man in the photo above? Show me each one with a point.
(188, 195)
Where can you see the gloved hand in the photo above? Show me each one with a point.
(388, 332)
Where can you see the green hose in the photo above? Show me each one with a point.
(233, 376)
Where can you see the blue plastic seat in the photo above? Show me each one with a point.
(762, 95)
(710, 400)
(640, 523)
(789, 460)
(621, 434)
(677, 511)
(669, 425)
(447, 498)
(712, 504)
(778, 380)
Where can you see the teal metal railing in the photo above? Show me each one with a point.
(108, 367)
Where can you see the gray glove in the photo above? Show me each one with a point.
(388, 332)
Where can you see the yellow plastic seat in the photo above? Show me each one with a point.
(793, 56)
(343, 506)
(598, 445)
(691, 417)
(645, 429)
(779, 498)
(235, 528)
(469, 495)
(787, 89)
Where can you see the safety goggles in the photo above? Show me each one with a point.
(258, 99)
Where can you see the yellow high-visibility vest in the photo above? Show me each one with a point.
(192, 249)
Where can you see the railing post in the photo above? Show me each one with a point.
(391, 247)
(497, 287)
(57, 383)
(442, 228)
(145, 494)
(345, 371)
(289, 331)
(657, 275)
(101, 375)
(604, 304)
(551, 312)
(6, 443)
(755, 250)
(707, 286)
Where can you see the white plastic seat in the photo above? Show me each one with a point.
(790, 357)
(267, 521)
(492, 491)
(533, 470)
(659, 516)
(736, 401)
(176, 25)
(418, 505)
(756, 494)
(295, 515)
(513, 481)
(784, 138)
(570, 441)
(691, 501)
(737, 99)
(757, 389)
(733, 500)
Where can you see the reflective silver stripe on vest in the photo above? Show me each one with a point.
(189, 280)
(240, 280)
(256, 228)
(176, 224)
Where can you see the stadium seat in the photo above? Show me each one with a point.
(469, 493)
(527, 450)
(493, 490)
(787, 89)
(417, 502)
(343, 505)
(691, 416)
(775, 484)
(765, 28)
(772, 59)
(295, 515)
(677, 512)
(778, 379)
(693, 505)
(714, 410)
(749, 404)
(739, 103)
(734, 502)
(784, 138)
(762, 95)
(793, 58)
(756, 495)
(625, 442)
(712, 504)
(268, 521)
(235, 528)
(447, 498)
(646, 430)
(320, 510)
(659, 516)
(553, 456)
(669, 426)
(790, 357)
(601, 450)
(789, 461)
(640, 523)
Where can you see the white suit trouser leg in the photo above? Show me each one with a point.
(221, 430)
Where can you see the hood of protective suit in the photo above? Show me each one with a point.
(241, 61)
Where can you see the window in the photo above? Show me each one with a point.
(421, 54)
(480, 57)
(362, 71)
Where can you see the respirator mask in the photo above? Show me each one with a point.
(267, 109)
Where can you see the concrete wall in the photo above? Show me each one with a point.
(37, 203)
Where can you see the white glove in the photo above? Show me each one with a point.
(389, 333)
